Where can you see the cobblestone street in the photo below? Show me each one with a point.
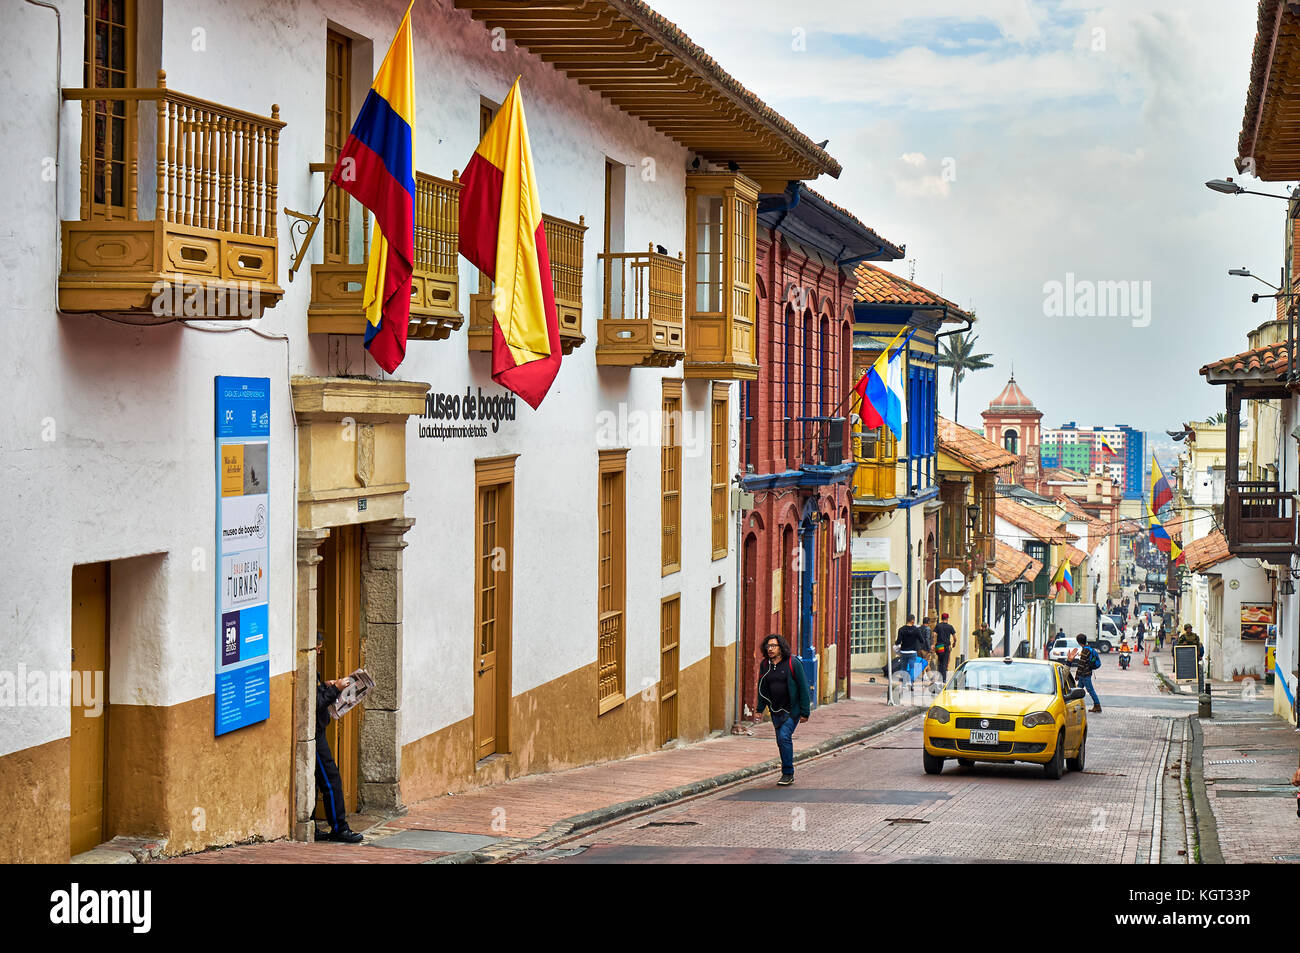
(872, 803)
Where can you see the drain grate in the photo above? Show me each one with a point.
(1235, 761)
(906, 820)
(669, 824)
(1287, 858)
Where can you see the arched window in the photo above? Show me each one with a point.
(1011, 440)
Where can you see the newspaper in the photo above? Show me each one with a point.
(358, 688)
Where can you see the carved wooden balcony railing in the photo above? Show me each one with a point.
(1260, 520)
(644, 303)
(875, 477)
(178, 207)
(564, 242)
(337, 284)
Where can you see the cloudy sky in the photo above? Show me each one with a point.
(1012, 144)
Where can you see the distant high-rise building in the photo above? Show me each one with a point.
(1085, 449)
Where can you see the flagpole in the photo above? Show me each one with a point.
(852, 392)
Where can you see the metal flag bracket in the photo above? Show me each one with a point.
(302, 229)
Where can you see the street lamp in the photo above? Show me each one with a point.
(1229, 187)
(1246, 273)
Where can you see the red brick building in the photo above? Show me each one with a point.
(797, 460)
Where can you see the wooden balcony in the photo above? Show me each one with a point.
(178, 208)
(641, 324)
(721, 232)
(564, 241)
(876, 477)
(337, 284)
(1260, 521)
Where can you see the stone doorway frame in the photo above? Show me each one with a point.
(350, 472)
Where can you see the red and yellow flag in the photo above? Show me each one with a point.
(501, 234)
(377, 167)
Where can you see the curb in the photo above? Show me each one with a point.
(509, 850)
(1207, 831)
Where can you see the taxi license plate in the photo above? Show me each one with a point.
(983, 737)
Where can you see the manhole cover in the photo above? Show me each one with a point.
(1235, 761)
(669, 824)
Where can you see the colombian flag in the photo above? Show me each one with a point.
(1062, 578)
(376, 167)
(501, 234)
(1177, 553)
(1159, 537)
(1160, 490)
(1105, 445)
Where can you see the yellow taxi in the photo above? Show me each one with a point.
(1008, 709)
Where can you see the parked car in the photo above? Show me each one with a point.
(1008, 709)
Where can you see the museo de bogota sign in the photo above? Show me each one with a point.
(471, 414)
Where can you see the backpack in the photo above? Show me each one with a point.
(1096, 657)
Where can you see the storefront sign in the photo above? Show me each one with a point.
(870, 554)
(469, 414)
(1256, 618)
(243, 431)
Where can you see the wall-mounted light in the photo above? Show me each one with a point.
(1287, 588)
(972, 516)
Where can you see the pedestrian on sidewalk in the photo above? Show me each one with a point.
(328, 781)
(1085, 661)
(911, 642)
(1141, 632)
(944, 639)
(1191, 638)
(783, 689)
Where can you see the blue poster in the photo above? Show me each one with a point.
(243, 667)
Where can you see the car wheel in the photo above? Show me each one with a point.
(966, 762)
(1076, 763)
(1056, 767)
(1105, 647)
(933, 764)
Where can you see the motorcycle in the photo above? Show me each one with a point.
(1124, 658)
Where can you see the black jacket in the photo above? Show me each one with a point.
(796, 680)
(943, 635)
(911, 638)
(326, 695)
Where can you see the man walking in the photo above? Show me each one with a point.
(1141, 631)
(783, 688)
(911, 642)
(944, 640)
(1085, 661)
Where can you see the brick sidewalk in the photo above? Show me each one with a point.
(528, 807)
(1253, 802)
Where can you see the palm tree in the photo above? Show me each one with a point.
(1220, 418)
(957, 355)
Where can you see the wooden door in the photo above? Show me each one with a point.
(669, 658)
(89, 733)
(493, 587)
(339, 617)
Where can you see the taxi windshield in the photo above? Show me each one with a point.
(999, 676)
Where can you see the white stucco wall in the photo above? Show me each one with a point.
(130, 471)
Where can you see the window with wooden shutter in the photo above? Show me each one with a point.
(719, 483)
(109, 63)
(611, 583)
(671, 477)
